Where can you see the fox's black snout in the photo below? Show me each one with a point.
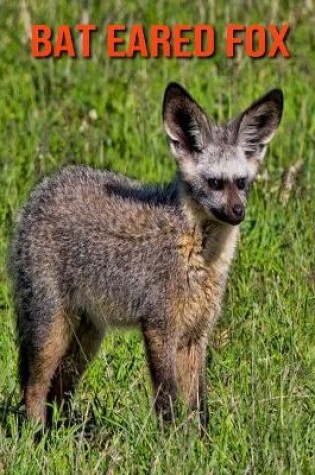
(233, 214)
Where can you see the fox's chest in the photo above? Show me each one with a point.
(205, 271)
(198, 308)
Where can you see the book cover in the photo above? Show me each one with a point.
(157, 237)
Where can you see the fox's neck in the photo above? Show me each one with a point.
(219, 242)
(215, 240)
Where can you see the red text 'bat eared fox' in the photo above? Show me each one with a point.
(94, 249)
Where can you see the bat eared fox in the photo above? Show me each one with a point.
(94, 249)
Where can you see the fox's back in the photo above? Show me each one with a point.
(104, 240)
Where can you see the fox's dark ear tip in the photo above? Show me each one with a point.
(174, 85)
(174, 89)
(173, 92)
(276, 95)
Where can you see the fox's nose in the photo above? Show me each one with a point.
(238, 211)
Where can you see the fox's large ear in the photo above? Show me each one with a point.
(255, 127)
(185, 123)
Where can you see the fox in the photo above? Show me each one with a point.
(93, 249)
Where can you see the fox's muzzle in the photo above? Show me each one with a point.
(233, 214)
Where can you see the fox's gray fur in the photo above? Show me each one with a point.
(94, 249)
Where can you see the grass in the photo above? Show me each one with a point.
(107, 113)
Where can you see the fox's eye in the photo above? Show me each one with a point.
(215, 184)
(241, 183)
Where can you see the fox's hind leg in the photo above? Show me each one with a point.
(40, 355)
(85, 342)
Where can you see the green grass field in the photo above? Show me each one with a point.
(107, 113)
